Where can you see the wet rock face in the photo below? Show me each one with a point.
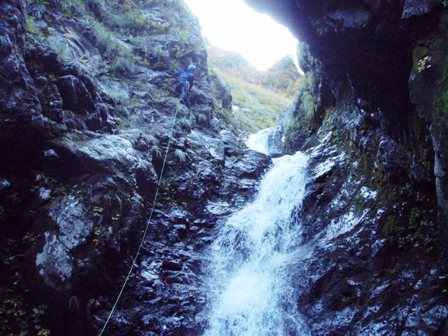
(362, 241)
(167, 296)
(428, 90)
(75, 95)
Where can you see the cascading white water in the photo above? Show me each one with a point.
(267, 141)
(248, 280)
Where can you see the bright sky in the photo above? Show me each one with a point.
(234, 26)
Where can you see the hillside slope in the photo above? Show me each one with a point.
(258, 97)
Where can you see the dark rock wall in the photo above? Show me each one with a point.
(87, 103)
(374, 46)
(428, 91)
(21, 111)
(371, 115)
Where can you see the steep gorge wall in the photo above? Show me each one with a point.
(389, 54)
(87, 103)
(371, 113)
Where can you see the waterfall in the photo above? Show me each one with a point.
(251, 294)
(267, 141)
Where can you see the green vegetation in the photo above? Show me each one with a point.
(410, 217)
(258, 98)
(109, 43)
(412, 225)
(257, 107)
(305, 94)
(127, 33)
(302, 120)
(283, 77)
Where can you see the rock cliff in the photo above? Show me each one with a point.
(371, 113)
(87, 105)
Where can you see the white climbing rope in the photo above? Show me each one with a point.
(133, 264)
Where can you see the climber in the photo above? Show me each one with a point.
(184, 83)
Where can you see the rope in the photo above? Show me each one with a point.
(146, 228)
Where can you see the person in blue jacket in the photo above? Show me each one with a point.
(184, 83)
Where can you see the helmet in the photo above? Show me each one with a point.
(191, 68)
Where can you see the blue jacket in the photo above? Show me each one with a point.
(185, 76)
